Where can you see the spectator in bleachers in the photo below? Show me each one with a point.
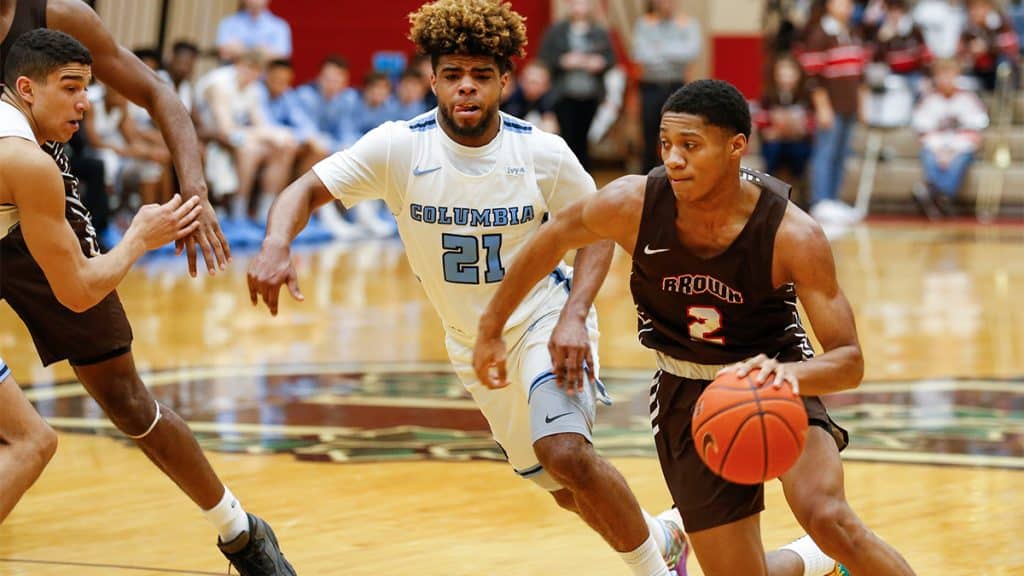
(942, 22)
(282, 108)
(785, 122)
(950, 122)
(665, 43)
(1015, 11)
(422, 64)
(127, 156)
(254, 27)
(376, 106)
(578, 51)
(833, 61)
(180, 69)
(899, 60)
(987, 40)
(532, 99)
(233, 107)
(412, 94)
(331, 102)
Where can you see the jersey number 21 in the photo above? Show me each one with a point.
(462, 258)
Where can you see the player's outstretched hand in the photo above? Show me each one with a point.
(769, 369)
(211, 241)
(268, 271)
(571, 358)
(160, 224)
(489, 356)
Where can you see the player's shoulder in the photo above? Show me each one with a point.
(766, 181)
(24, 161)
(626, 192)
(422, 124)
(799, 233)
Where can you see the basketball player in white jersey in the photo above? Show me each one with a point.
(468, 186)
(47, 104)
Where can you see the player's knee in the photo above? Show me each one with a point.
(567, 458)
(38, 446)
(836, 529)
(128, 404)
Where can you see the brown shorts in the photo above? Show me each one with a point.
(100, 333)
(704, 499)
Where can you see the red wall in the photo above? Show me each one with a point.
(739, 59)
(358, 28)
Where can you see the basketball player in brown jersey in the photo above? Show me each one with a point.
(97, 341)
(719, 257)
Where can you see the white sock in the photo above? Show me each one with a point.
(658, 532)
(228, 517)
(645, 560)
(816, 562)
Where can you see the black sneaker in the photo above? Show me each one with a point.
(255, 553)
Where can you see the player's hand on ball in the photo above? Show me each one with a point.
(769, 370)
(268, 271)
(570, 355)
(489, 356)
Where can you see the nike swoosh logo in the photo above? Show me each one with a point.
(421, 171)
(549, 419)
(709, 442)
(648, 250)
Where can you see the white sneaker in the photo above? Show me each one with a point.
(341, 229)
(678, 546)
(368, 218)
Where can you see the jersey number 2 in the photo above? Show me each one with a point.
(705, 323)
(462, 256)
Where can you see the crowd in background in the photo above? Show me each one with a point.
(832, 65)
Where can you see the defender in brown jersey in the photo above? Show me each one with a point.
(719, 257)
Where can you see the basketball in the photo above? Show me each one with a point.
(745, 433)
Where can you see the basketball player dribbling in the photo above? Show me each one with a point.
(468, 186)
(719, 257)
(96, 340)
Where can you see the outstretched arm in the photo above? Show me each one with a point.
(79, 283)
(272, 267)
(120, 69)
(604, 216)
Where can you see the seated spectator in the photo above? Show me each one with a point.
(422, 64)
(532, 100)
(987, 40)
(412, 95)
(127, 156)
(180, 70)
(376, 106)
(283, 109)
(232, 106)
(254, 27)
(785, 122)
(949, 121)
(330, 102)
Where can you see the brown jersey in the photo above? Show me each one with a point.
(717, 310)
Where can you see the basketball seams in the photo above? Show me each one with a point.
(792, 431)
(732, 442)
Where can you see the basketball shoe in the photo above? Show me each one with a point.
(839, 570)
(678, 547)
(256, 553)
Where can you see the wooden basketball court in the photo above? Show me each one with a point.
(339, 422)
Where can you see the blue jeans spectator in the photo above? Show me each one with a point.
(945, 180)
(792, 155)
(828, 162)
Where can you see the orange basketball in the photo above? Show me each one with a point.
(748, 434)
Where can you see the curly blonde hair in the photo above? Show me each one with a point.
(470, 27)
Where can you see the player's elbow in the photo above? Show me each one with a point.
(75, 298)
(854, 367)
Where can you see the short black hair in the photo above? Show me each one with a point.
(335, 60)
(185, 46)
(718, 102)
(279, 63)
(37, 53)
(147, 53)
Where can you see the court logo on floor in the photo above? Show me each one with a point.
(395, 412)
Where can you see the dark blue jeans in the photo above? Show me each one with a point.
(792, 155)
(945, 180)
(828, 163)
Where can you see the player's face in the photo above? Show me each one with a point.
(468, 92)
(59, 104)
(697, 155)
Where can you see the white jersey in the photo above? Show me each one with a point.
(13, 124)
(463, 213)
